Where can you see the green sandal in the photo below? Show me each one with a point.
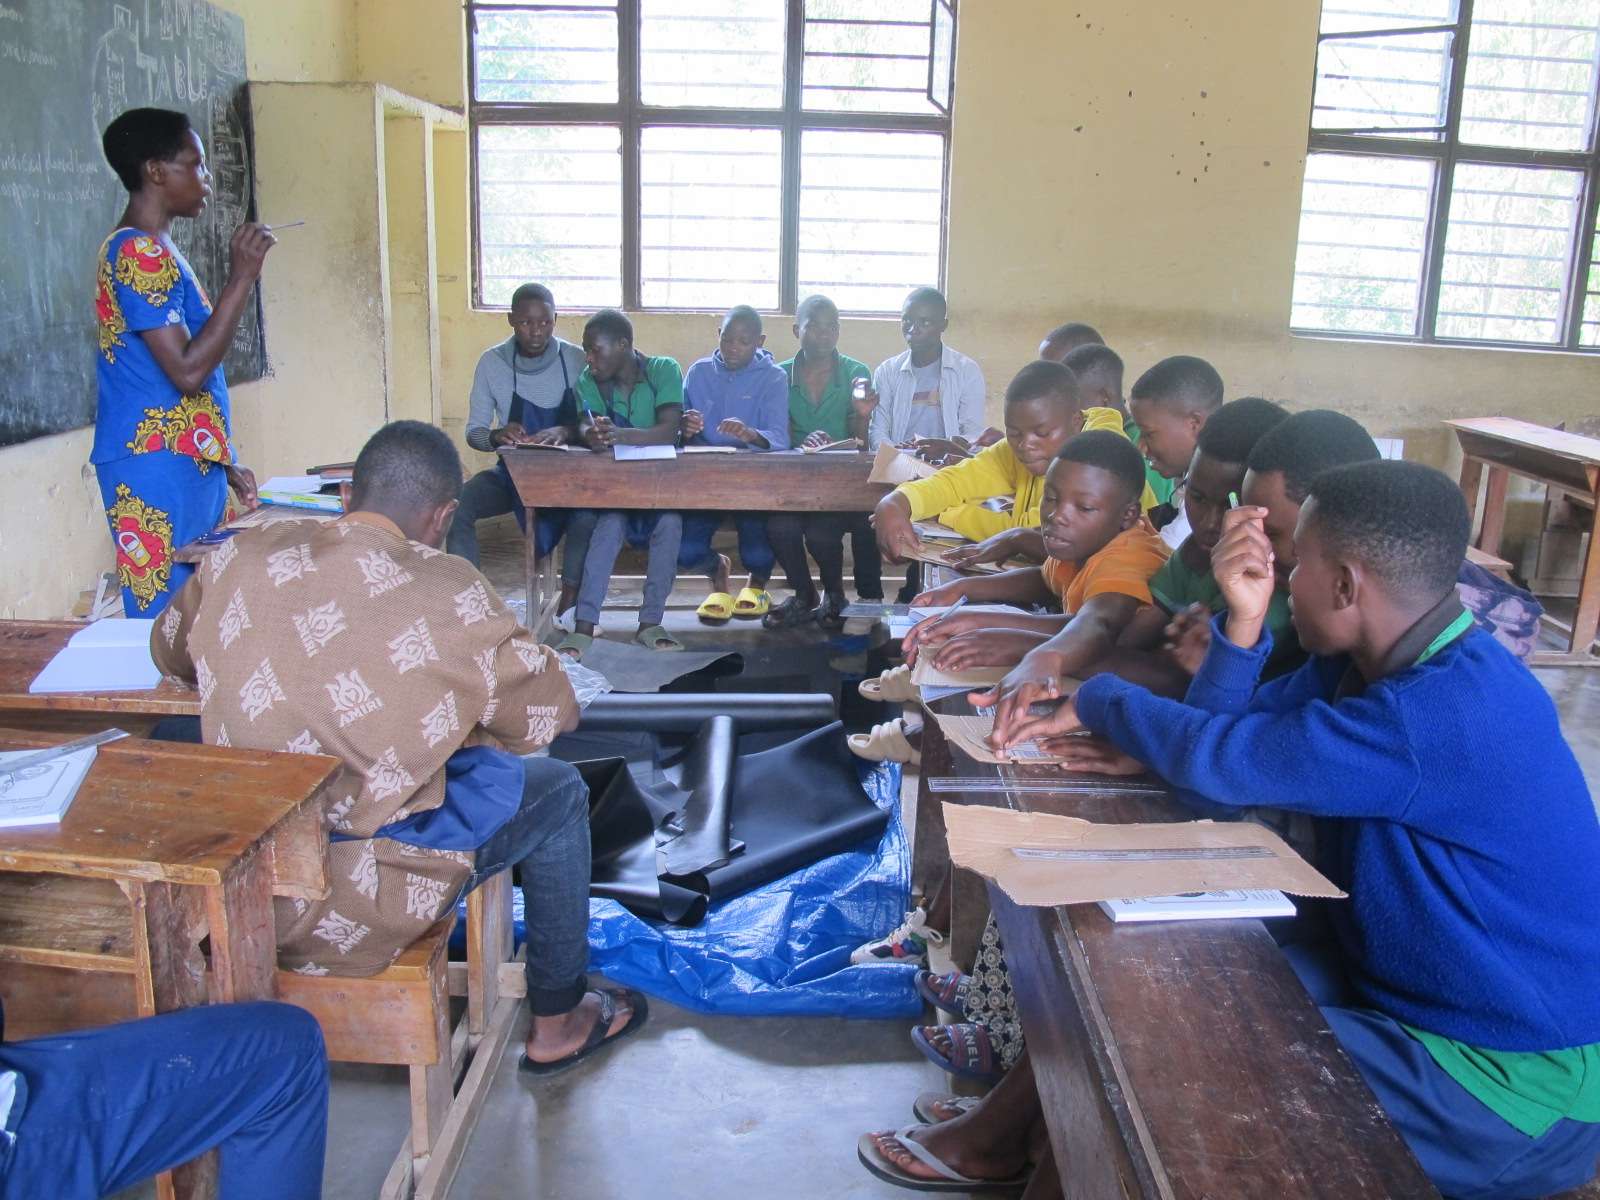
(652, 638)
(575, 646)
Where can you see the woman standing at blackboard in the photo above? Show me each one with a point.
(162, 446)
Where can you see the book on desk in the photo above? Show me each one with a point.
(108, 656)
(41, 794)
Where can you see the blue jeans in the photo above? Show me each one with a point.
(548, 839)
(755, 551)
(1468, 1151)
(107, 1108)
(663, 531)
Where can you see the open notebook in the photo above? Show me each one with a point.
(108, 656)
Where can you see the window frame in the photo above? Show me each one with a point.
(631, 115)
(1447, 153)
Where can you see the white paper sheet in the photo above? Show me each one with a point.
(643, 453)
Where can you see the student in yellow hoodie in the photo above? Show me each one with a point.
(1042, 412)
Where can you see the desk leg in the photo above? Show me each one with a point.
(534, 593)
(1586, 621)
(244, 942)
(1494, 510)
(1471, 476)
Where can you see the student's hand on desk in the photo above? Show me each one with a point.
(509, 434)
(938, 629)
(1037, 677)
(1242, 565)
(601, 434)
(985, 646)
(556, 435)
(896, 536)
(939, 451)
(998, 548)
(247, 251)
(692, 423)
(1189, 637)
(243, 482)
(1091, 755)
(942, 596)
(819, 438)
(733, 427)
(1053, 727)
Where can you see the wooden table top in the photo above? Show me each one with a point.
(1216, 1067)
(163, 811)
(1539, 438)
(27, 646)
(778, 481)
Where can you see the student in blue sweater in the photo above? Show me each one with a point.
(1464, 973)
(737, 397)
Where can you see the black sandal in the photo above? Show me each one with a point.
(830, 613)
(598, 1037)
(788, 615)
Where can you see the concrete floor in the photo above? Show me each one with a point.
(694, 1106)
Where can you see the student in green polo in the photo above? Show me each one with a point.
(822, 410)
(626, 399)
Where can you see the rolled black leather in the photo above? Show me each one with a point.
(686, 712)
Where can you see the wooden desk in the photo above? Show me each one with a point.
(785, 481)
(1178, 1060)
(102, 916)
(27, 646)
(1561, 460)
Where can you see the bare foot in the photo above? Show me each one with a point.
(552, 1038)
(722, 574)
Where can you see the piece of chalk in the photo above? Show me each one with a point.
(286, 225)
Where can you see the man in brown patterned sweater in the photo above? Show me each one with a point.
(360, 639)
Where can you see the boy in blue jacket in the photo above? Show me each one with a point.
(736, 397)
(1464, 974)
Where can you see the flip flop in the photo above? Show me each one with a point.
(886, 743)
(945, 992)
(652, 636)
(971, 1056)
(875, 1161)
(575, 645)
(715, 609)
(893, 686)
(597, 1038)
(752, 604)
(927, 1105)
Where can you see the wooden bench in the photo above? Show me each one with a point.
(1174, 1060)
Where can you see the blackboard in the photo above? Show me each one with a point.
(67, 67)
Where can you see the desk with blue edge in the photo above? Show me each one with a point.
(1181, 1060)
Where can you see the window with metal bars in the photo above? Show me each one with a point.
(697, 154)
(1453, 174)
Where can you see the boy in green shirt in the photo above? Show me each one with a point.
(822, 409)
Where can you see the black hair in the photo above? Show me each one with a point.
(1308, 444)
(1406, 523)
(406, 467)
(1231, 432)
(810, 304)
(1109, 451)
(142, 135)
(1097, 357)
(1040, 379)
(608, 322)
(1184, 381)
(743, 312)
(927, 295)
(1075, 331)
(530, 292)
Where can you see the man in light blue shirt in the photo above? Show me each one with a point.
(930, 390)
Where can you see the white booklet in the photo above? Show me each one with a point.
(1200, 906)
(108, 656)
(41, 794)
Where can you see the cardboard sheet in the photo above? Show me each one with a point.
(894, 467)
(925, 674)
(970, 735)
(1045, 859)
(934, 552)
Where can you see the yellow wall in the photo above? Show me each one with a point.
(1136, 166)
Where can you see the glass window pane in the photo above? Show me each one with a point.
(1531, 74)
(870, 208)
(726, 53)
(1506, 247)
(867, 56)
(1589, 332)
(1363, 231)
(710, 211)
(550, 212)
(1398, 83)
(1351, 16)
(944, 53)
(528, 57)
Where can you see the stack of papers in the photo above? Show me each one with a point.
(1201, 906)
(41, 794)
(302, 491)
(108, 656)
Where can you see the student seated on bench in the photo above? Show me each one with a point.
(1041, 413)
(823, 409)
(1101, 556)
(1463, 975)
(626, 399)
(1170, 403)
(360, 639)
(93, 1112)
(1099, 370)
(736, 397)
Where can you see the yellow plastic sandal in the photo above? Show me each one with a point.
(752, 603)
(716, 608)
